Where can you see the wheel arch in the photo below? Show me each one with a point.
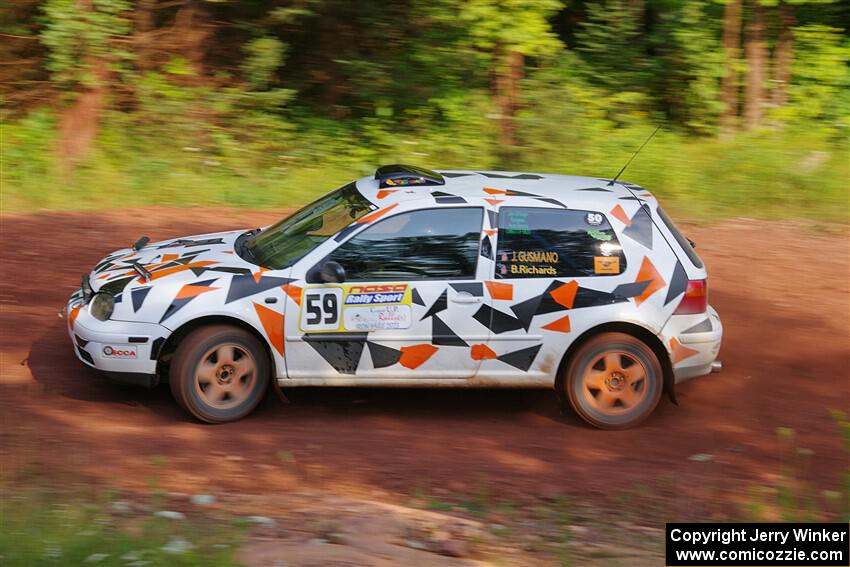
(637, 331)
(167, 348)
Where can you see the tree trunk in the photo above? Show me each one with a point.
(192, 26)
(756, 58)
(334, 44)
(783, 55)
(79, 122)
(508, 78)
(143, 20)
(731, 49)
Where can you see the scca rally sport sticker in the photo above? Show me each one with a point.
(354, 307)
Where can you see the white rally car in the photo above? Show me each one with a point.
(415, 278)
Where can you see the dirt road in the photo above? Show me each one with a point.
(780, 287)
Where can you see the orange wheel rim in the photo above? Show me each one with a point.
(614, 383)
(225, 376)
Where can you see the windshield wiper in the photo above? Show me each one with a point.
(242, 247)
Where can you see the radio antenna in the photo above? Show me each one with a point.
(634, 155)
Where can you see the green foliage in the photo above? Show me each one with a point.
(692, 55)
(511, 25)
(269, 104)
(263, 56)
(611, 43)
(26, 158)
(80, 36)
(820, 88)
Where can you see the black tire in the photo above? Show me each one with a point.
(219, 373)
(613, 381)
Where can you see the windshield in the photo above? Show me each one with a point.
(285, 242)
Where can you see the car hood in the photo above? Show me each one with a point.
(174, 260)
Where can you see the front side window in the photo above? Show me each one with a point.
(419, 245)
(547, 243)
(285, 242)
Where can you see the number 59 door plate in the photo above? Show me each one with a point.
(355, 307)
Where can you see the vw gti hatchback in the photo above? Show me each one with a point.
(415, 278)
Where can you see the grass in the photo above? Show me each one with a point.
(56, 528)
(793, 498)
(768, 174)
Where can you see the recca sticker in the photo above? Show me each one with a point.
(355, 307)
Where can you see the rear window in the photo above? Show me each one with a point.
(680, 238)
(546, 243)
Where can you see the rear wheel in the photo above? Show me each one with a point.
(219, 373)
(613, 381)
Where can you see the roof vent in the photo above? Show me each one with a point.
(398, 175)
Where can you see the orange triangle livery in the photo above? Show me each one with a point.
(618, 213)
(258, 274)
(293, 291)
(414, 356)
(490, 231)
(272, 322)
(384, 192)
(176, 269)
(375, 215)
(495, 202)
(680, 351)
(499, 290)
(656, 282)
(481, 352)
(189, 291)
(566, 294)
(561, 325)
(491, 191)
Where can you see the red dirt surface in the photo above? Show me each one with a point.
(781, 289)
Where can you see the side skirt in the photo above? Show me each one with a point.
(518, 382)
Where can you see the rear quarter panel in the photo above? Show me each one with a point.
(645, 294)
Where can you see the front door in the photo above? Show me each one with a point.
(407, 307)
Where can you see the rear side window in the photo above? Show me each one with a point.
(420, 245)
(680, 238)
(546, 243)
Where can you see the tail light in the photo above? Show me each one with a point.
(695, 300)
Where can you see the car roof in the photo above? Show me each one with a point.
(509, 188)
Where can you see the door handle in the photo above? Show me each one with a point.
(466, 297)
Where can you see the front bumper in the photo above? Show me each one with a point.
(126, 351)
(694, 343)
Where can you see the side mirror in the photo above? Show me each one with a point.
(332, 272)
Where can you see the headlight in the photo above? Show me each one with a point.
(101, 306)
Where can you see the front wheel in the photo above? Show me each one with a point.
(219, 373)
(613, 381)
